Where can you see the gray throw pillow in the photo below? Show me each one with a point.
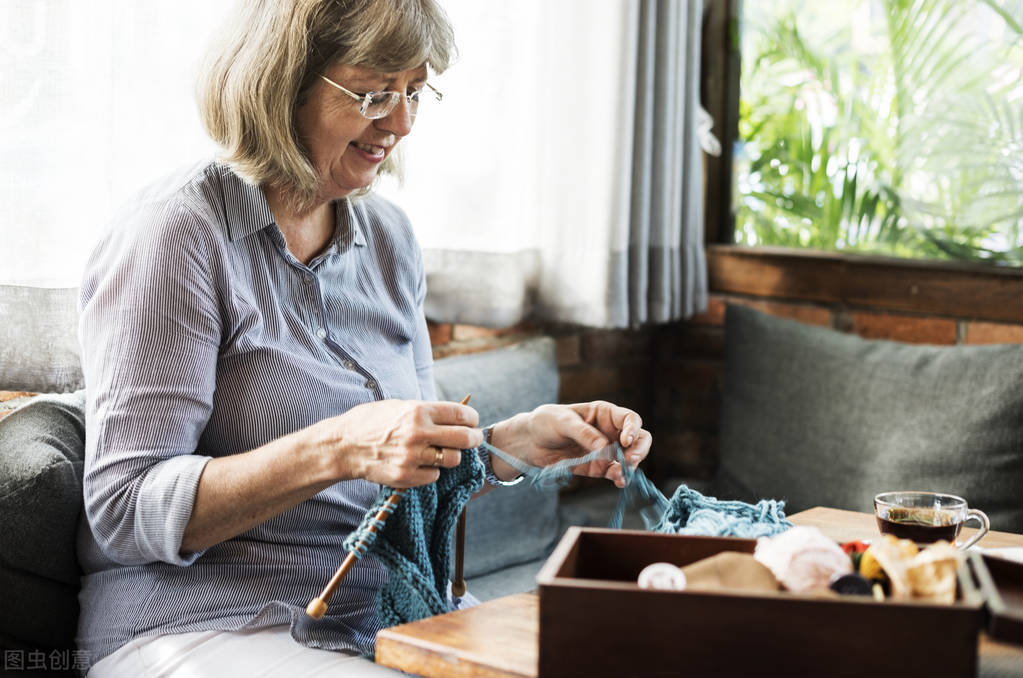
(510, 525)
(821, 418)
(41, 455)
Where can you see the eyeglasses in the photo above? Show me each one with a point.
(377, 105)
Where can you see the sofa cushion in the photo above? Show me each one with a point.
(817, 417)
(509, 525)
(39, 339)
(41, 446)
(512, 579)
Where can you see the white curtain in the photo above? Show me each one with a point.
(96, 100)
(558, 179)
(561, 177)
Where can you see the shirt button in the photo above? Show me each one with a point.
(371, 384)
(321, 333)
(349, 365)
(307, 282)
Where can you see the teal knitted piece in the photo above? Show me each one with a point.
(414, 542)
(687, 512)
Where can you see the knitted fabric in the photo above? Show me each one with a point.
(414, 542)
(687, 512)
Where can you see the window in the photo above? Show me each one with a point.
(889, 127)
(96, 101)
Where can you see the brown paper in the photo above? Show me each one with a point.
(729, 570)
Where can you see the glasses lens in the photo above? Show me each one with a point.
(380, 104)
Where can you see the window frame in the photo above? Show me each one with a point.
(967, 290)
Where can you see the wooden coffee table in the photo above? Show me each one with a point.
(499, 638)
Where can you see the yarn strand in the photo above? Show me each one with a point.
(687, 512)
(414, 542)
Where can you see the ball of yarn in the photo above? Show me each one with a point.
(663, 576)
(802, 559)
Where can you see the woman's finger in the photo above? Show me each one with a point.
(640, 448)
(453, 425)
(585, 435)
(613, 420)
(455, 414)
(454, 437)
(440, 457)
(615, 475)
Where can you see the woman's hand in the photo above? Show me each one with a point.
(551, 433)
(399, 443)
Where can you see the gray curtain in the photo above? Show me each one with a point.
(639, 258)
(664, 275)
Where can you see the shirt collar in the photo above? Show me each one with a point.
(348, 222)
(248, 212)
(245, 207)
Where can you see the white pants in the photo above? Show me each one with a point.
(258, 653)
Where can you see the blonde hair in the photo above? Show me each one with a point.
(269, 57)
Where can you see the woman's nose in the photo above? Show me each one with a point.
(399, 121)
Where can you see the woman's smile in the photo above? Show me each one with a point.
(371, 152)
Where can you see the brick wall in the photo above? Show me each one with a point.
(671, 374)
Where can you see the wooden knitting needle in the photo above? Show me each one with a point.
(458, 585)
(317, 607)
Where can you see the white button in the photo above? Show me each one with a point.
(321, 333)
(349, 365)
(371, 384)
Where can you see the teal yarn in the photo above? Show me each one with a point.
(687, 512)
(690, 512)
(414, 542)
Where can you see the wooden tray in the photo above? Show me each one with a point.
(997, 584)
(595, 620)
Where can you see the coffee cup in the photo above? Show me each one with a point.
(926, 517)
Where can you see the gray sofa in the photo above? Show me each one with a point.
(822, 418)
(810, 415)
(510, 531)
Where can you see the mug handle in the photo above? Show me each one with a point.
(985, 526)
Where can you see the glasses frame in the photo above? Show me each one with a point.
(367, 98)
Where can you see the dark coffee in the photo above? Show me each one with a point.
(920, 525)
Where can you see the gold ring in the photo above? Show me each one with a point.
(439, 458)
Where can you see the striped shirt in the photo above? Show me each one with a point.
(202, 336)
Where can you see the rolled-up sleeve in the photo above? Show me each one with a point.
(150, 330)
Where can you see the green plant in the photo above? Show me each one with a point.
(909, 148)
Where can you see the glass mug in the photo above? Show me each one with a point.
(926, 517)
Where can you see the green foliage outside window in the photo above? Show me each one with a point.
(889, 127)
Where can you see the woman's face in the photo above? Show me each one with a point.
(346, 148)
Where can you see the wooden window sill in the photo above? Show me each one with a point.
(960, 290)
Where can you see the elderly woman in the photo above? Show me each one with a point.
(257, 359)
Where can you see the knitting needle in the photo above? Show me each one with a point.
(458, 585)
(317, 607)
